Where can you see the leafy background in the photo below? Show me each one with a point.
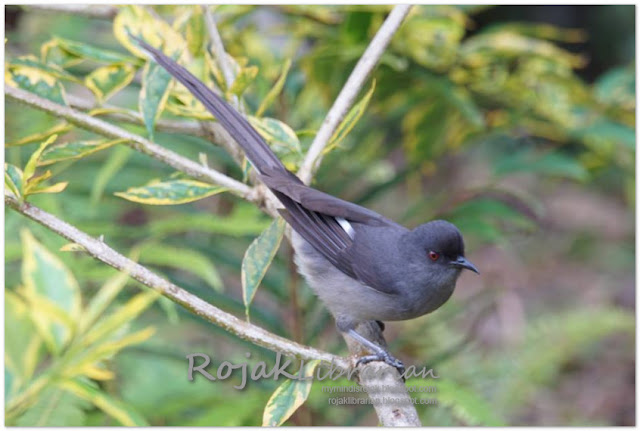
(515, 123)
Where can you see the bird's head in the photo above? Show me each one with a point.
(442, 246)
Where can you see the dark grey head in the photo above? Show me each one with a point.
(442, 245)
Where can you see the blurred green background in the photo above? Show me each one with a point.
(516, 123)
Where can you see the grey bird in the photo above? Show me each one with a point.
(363, 266)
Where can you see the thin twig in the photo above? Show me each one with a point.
(227, 73)
(218, 47)
(102, 11)
(129, 116)
(136, 142)
(229, 76)
(101, 251)
(351, 89)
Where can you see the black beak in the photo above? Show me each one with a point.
(464, 263)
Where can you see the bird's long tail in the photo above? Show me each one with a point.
(255, 148)
(316, 225)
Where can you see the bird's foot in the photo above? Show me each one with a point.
(385, 357)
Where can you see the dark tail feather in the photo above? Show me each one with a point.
(321, 230)
(257, 151)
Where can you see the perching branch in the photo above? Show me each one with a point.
(101, 251)
(351, 89)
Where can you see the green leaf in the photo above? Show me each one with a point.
(170, 309)
(117, 159)
(140, 22)
(102, 300)
(54, 408)
(257, 259)
(88, 362)
(32, 62)
(52, 53)
(550, 163)
(36, 181)
(468, 407)
(325, 15)
(244, 220)
(430, 41)
(214, 69)
(13, 178)
(58, 129)
(182, 259)
(552, 341)
(275, 90)
(617, 86)
(461, 98)
(288, 397)
(480, 49)
(350, 119)
(22, 343)
(280, 137)
(49, 284)
(154, 94)
(118, 410)
(195, 31)
(172, 192)
(90, 52)
(107, 326)
(37, 82)
(105, 81)
(30, 168)
(54, 188)
(242, 81)
(492, 209)
(75, 150)
(193, 111)
(607, 136)
(73, 247)
(540, 31)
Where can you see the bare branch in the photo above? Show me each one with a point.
(101, 251)
(382, 381)
(102, 11)
(129, 116)
(136, 142)
(382, 384)
(351, 89)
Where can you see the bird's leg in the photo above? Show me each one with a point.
(379, 354)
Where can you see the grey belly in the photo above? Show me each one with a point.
(345, 296)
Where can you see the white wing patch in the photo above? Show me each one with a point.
(347, 227)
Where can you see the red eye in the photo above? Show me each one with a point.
(434, 256)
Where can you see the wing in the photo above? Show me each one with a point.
(318, 201)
